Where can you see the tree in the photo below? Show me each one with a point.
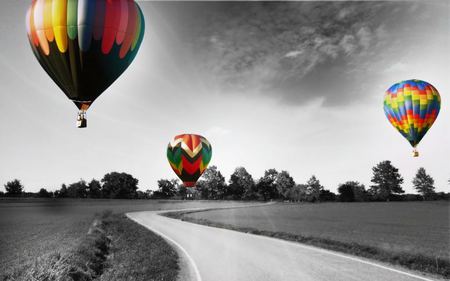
(148, 193)
(424, 184)
(346, 194)
(241, 185)
(182, 191)
(167, 188)
(352, 191)
(213, 185)
(142, 195)
(77, 189)
(284, 183)
(326, 195)
(201, 187)
(43, 193)
(61, 193)
(119, 186)
(266, 186)
(387, 181)
(94, 189)
(297, 193)
(314, 188)
(14, 188)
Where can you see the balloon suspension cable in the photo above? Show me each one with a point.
(415, 152)
(81, 119)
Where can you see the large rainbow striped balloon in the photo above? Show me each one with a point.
(412, 106)
(189, 156)
(84, 45)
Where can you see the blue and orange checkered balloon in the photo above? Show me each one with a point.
(412, 106)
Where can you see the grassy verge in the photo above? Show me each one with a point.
(438, 266)
(115, 248)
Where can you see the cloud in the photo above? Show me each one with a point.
(293, 54)
(345, 12)
(348, 44)
(365, 36)
(396, 67)
(297, 52)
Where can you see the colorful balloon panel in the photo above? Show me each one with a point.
(84, 45)
(412, 106)
(189, 156)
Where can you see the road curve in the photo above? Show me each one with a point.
(224, 255)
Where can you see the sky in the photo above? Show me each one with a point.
(294, 86)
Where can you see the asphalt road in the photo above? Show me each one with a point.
(216, 254)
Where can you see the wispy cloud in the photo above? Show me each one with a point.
(299, 51)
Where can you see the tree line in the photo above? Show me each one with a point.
(113, 185)
(273, 185)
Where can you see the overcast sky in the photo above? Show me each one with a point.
(295, 86)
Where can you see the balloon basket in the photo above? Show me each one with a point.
(81, 120)
(415, 153)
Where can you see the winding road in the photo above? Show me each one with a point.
(214, 254)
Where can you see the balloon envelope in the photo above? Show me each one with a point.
(84, 45)
(189, 156)
(412, 106)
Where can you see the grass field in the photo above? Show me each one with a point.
(114, 249)
(32, 228)
(413, 234)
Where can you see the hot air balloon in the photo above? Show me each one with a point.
(412, 106)
(84, 45)
(189, 156)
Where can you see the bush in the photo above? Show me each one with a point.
(443, 196)
(412, 197)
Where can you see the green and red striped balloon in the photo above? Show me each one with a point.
(84, 45)
(189, 156)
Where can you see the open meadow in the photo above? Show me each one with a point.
(32, 228)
